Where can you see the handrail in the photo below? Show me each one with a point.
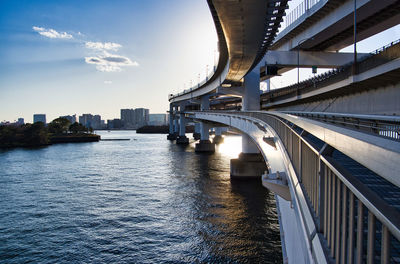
(380, 125)
(337, 198)
(298, 11)
(340, 72)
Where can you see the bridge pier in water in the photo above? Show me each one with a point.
(250, 162)
(172, 131)
(218, 136)
(182, 139)
(205, 144)
(197, 133)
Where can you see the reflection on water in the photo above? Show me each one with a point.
(140, 201)
(231, 147)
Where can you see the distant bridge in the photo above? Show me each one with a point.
(329, 146)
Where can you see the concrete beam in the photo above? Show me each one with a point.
(236, 91)
(307, 59)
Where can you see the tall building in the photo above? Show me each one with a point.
(157, 119)
(134, 118)
(141, 117)
(128, 118)
(89, 120)
(39, 118)
(20, 121)
(96, 122)
(86, 120)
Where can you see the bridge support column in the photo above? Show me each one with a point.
(205, 144)
(171, 134)
(250, 163)
(182, 139)
(218, 136)
(196, 134)
(176, 122)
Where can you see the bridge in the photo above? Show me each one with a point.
(328, 146)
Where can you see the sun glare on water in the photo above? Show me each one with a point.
(232, 146)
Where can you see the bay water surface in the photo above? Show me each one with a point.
(145, 200)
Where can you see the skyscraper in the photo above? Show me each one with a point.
(39, 118)
(141, 117)
(134, 118)
(128, 118)
(86, 120)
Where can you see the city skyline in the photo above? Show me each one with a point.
(74, 57)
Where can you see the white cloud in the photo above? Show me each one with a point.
(51, 33)
(103, 46)
(110, 62)
(108, 82)
(101, 57)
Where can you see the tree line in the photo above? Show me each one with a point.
(38, 134)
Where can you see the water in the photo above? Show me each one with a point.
(146, 200)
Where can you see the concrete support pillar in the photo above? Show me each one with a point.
(250, 163)
(176, 121)
(251, 98)
(197, 133)
(218, 136)
(205, 103)
(171, 134)
(205, 144)
(268, 85)
(204, 131)
(182, 124)
(182, 139)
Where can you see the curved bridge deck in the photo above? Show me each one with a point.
(341, 182)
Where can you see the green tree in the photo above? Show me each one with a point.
(77, 128)
(59, 126)
(35, 134)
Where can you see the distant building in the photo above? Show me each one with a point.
(20, 121)
(114, 123)
(70, 118)
(86, 120)
(39, 118)
(96, 122)
(128, 118)
(89, 120)
(134, 118)
(157, 119)
(141, 117)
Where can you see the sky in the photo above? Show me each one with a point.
(62, 57)
(99, 56)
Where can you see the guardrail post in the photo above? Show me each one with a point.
(360, 232)
(385, 248)
(371, 238)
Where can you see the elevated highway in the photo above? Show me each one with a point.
(329, 146)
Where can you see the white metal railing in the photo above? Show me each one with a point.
(357, 224)
(196, 86)
(381, 125)
(297, 12)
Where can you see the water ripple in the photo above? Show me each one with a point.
(140, 201)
